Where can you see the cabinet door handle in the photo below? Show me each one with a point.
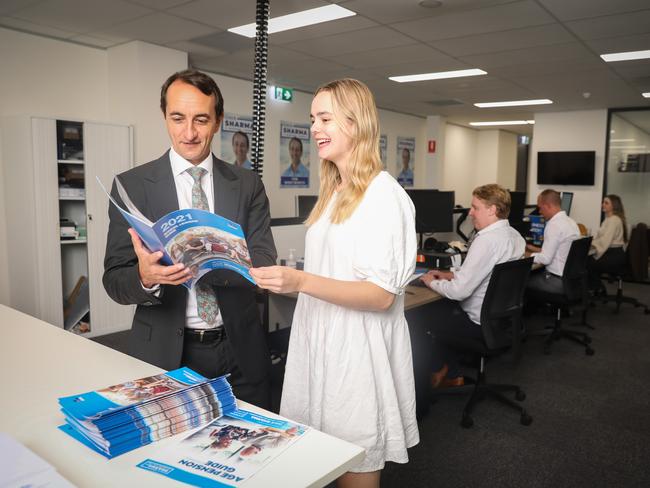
(90, 216)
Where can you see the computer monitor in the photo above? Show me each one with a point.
(304, 204)
(517, 206)
(567, 199)
(433, 210)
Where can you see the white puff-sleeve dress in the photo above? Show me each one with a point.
(349, 372)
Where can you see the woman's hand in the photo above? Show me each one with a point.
(278, 279)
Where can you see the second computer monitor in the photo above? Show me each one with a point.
(433, 210)
(567, 199)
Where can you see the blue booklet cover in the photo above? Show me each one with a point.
(201, 240)
(226, 452)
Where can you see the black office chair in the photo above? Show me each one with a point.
(574, 284)
(502, 326)
(636, 258)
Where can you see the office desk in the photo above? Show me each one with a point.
(41, 362)
(419, 311)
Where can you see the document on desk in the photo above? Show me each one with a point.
(20, 467)
(228, 451)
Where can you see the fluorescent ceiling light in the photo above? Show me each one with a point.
(646, 94)
(503, 122)
(627, 56)
(513, 103)
(438, 76)
(298, 19)
(628, 147)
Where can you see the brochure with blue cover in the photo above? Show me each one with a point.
(226, 452)
(200, 240)
(122, 417)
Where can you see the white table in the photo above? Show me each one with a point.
(40, 362)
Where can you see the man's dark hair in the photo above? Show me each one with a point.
(203, 82)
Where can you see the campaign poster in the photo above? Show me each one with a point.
(405, 160)
(236, 133)
(383, 148)
(294, 155)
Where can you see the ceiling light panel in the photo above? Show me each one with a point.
(513, 103)
(626, 56)
(441, 75)
(296, 20)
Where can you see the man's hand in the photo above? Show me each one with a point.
(278, 279)
(436, 275)
(152, 273)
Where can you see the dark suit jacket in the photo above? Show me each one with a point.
(158, 324)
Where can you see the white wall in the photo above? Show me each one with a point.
(136, 70)
(459, 168)
(583, 130)
(44, 77)
(507, 167)
(477, 157)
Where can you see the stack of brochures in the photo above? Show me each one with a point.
(123, 417)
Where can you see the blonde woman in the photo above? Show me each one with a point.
(349, 371)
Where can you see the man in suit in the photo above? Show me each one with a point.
(215, 328)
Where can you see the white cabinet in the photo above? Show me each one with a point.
(46, 260)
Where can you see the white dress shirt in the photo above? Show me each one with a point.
(559, 233)
(184, 183)
(496, 243)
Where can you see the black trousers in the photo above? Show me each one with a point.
(546, 282)
(214, 358)
(613, 261)
(450, 325)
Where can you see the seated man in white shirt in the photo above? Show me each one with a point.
(560, 231)
(459, 314)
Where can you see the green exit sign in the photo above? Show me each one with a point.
(281, 93)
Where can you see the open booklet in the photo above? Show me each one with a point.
(227, 451)
(201, 240)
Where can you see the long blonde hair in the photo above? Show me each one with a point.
(355, 112)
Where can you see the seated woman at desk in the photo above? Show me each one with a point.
(349, 370)
(459, 315)
(609, 243)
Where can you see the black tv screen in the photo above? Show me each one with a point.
(566, 167)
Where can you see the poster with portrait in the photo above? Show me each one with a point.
(294, 155)
(383, 149)
(236, 133)
(405, 160)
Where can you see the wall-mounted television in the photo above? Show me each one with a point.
(566, 167)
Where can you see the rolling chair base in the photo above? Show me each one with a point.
(481, 390)
(620, 299)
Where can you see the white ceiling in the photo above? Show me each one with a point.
(530, 48)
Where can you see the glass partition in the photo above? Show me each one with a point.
(628, 162)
